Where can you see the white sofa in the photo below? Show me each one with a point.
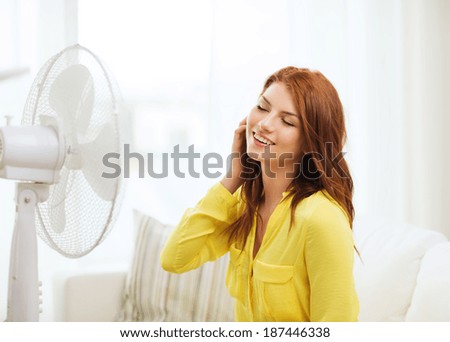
(404, 275)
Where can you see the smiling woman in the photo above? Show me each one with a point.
(289, 238)
(271, 124)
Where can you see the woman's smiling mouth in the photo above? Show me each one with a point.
(261, 140)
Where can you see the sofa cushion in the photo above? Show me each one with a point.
(391, 255)
(152, 294)
(431, 299)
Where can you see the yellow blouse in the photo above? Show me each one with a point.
(301, 274)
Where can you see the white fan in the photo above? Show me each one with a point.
(72, 118)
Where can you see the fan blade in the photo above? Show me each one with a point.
(92, 154)
(57, 207)
(86, 108)
(72, 97)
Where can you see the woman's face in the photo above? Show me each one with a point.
(273, 129)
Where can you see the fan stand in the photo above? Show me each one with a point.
(23, 283)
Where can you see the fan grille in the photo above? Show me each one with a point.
(75, 219)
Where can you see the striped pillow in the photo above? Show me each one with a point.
(152, 294)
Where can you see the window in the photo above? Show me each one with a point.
(160, 57)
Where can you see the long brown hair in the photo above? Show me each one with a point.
(322, 166)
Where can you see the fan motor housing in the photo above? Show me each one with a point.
(29, 153)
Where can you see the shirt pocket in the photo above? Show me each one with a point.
(236, 273)
(275, 287)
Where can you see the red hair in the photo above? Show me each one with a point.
(321, 165)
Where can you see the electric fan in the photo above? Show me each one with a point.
(72, 119)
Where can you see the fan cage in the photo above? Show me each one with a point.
(88, 218)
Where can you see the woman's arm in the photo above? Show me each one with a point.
(200, 236)
(329, 260)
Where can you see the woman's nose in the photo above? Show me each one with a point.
(267, 123)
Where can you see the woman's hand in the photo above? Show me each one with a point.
(232, 180)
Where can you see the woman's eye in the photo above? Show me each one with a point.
(288, 123)
(261, 108)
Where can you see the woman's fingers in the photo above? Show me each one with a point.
(242, 126)
(232, 180)
(240, 129)
(239, 136)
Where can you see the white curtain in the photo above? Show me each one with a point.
(426, 113)
(399, 111)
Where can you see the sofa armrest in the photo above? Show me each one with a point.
(93, 297)
(431, 299)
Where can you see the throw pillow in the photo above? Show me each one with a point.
(152, 294)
